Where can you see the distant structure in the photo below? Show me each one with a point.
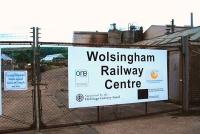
(90, 37)
(7, 62)
(174, 58)
(14, 37)
(114, 36)
(159, 30)
(134, 34)
(52, 58)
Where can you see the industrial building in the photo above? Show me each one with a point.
(176, 64)
(160, 30)
(112, 37)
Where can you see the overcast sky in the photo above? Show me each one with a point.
(59, 18)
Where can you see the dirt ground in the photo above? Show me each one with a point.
(153, 124)
(158, 124)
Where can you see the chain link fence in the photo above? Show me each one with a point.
(17, 108)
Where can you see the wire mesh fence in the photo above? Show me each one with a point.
(17, 108)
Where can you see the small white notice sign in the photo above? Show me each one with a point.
(15, 80)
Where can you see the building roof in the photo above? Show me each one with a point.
(51, 57)
(159, 30)
(193, 33)
(6, 57)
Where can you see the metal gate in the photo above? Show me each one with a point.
(17, 105)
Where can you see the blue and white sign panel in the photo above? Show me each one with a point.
(15, 80)
(109, 76)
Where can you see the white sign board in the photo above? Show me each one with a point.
(15, 80)
(109, 76)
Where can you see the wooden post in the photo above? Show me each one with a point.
(186, 63)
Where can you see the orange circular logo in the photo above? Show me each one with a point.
(154, 75)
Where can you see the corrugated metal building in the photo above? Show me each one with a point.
(160, 30)
(175, 63)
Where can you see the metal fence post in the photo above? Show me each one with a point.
(146, 108)
(98, 114)
(36, 80)
(186, 58)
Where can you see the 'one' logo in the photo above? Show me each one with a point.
(81, 78)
